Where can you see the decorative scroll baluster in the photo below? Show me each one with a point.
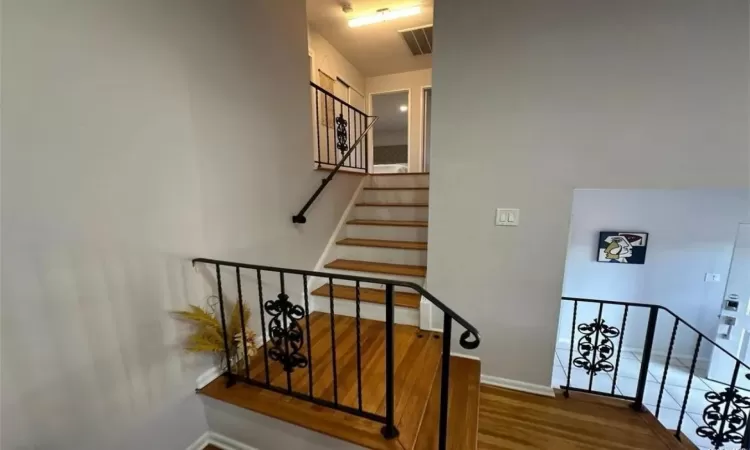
(286, 342)
(595, 353)
(342, 138)
(726, 415)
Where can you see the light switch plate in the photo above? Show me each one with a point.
(507, 217)
(712, 278)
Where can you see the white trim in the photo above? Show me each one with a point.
(201, 442)
(688, 356)
(371, 151)
(425, 314)
(218, 440)
(422, 123)
(320, 265)
(207, 377)
(226, 443)
(516, 385)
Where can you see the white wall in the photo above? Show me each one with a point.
(385, 138)
(691, 233)
(534, 98)
(333, 63)
(413, 82)
(136, 136)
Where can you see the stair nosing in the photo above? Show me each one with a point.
(397, 294)
(373, 263)
(389, 223)
(396, 188)
(342, 242)
(377, 204)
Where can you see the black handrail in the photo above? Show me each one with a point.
(283, 340)
(346, 127)
(726, 413)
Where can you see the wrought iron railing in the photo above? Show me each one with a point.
(711, 411)
(341, 139)
(285, 348)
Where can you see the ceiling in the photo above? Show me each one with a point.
(386, 107)
(376, 49)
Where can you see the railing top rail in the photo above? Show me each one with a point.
(651, 305)
(445, 309)
(349, 105)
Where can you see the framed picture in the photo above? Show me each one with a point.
(622, 247)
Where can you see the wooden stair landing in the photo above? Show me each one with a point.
(403, 299)
(417, 356)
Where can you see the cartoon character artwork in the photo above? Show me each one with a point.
(620, 247)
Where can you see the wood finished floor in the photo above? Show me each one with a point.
(417, 355)
(517, 421)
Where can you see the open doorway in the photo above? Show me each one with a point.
(426, 127)
(391, 132)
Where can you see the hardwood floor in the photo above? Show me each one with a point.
(516, 421)
(463, 407)
(417, 355)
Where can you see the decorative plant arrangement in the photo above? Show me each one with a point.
(207, 336)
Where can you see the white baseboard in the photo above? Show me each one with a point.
(515, 385)
(218, 440)
(565, 344)
(207, 377)
(463, 355)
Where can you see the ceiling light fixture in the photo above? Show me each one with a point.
(383, 15)
(403, 108)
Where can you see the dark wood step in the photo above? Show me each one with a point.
(404, 299)
(378, 267)
(381, 243)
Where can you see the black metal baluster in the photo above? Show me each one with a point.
(230, 375)
(353, 124)
(242, 322)
(570, 355)
(730, 402)
(647, 344)
(445, 382)
(666, 367)
(619, 348)
(263, 326)
(359, 349)
(349, 134)
(286, 311)
(362, 160)
(307, 329)
(596, 347)
(367, 150)
(317, 123)
(328, 131)
(687, 389)
(389, 431)
(333, 345)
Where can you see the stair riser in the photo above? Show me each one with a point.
(416, 280)
(391, 213)
(399, 181)
(384, 255)
(404, 316)
(405, 196)
(386, 233)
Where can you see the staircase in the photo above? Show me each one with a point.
(347, 359)
(385, 235)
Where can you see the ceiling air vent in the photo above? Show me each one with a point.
(418, 39)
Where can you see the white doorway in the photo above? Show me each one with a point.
(390, 136)
(426, 127)
(734, 320)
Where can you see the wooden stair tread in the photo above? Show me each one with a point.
(381, 243)
(416, 352)
(396, 188)
(384, 204)
(404, 299)
(389, 223)
(378, 267)
(463, 408)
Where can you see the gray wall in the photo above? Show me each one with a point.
(691, 232)
(137, 135)
(565, 95)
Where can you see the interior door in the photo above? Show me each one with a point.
(734, 321)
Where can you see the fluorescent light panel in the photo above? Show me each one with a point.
(382, 16)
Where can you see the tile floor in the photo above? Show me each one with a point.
(673, 395)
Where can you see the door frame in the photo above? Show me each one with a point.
(422, 124)
(371, 134)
